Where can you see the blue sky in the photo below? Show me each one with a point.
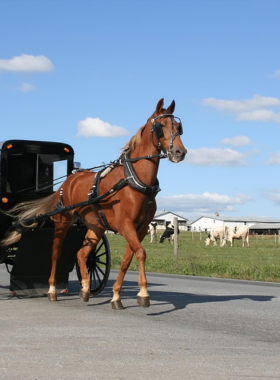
(80, 71)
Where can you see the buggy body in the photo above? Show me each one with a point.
(30, 170)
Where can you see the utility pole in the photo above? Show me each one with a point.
(175, 222)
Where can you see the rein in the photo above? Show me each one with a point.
(130, 179)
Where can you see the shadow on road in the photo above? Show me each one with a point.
(130, 289)
(178, 300)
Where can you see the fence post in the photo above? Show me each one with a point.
(175, 222)
(192, 234)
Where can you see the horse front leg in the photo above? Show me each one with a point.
(91, 241)
(59, 235)
(133, 245)
(116, 300)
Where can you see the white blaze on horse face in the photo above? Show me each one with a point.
(207, 241)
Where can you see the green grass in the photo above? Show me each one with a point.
(260, 262)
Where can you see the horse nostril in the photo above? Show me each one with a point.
(179, 153)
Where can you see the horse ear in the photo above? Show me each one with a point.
(171, 108)
(159, 105)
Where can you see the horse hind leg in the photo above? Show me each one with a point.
(59, 235)
(92, 239)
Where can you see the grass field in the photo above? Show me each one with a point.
(260, 262)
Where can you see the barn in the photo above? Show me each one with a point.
(265, 229)
(206, 223)
(164, 217)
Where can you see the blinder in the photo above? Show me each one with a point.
(158, 130)
(158, 127)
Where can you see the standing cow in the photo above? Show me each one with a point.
(168, 234)
(153, 231)
(219, 232)
(241, 233)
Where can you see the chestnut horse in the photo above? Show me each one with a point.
(128, 207)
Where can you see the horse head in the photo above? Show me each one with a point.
(167, 130)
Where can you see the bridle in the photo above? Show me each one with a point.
(157, 128)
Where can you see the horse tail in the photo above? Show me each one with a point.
(27, 210)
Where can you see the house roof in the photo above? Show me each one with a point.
(239, 219)
(160, 214)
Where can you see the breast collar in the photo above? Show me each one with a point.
(134, 182)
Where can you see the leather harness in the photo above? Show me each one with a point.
(130, 179)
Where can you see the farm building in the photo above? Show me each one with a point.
(206, 223)
(164, 217)
(265, 229)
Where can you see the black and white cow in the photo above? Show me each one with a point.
(168, 234)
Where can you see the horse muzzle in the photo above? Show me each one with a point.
(177, 154)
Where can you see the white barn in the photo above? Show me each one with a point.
(206, 223)
(164, 217)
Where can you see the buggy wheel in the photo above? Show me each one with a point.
(98, 265)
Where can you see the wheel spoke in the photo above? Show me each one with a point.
(101, 262)
(97, 274)
(102, 254)
(98, 248)
(100, 270)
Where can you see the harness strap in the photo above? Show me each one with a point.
(94, 193)
(134, 182)
(60, 204)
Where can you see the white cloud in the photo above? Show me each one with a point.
(203, 203)
(237, 106)
(274, 159)
(94, 127)
(236, 141)
(27, 64)
(254, 109)
(277, 74)
(215, 157)
(260, 115)
(26, 87)
(273, 195)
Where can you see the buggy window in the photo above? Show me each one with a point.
(33, 172)
(59, 170)
(50, 168)
(21, 172)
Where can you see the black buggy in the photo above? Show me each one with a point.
(30, 170)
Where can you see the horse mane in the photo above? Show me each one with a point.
(136, 139)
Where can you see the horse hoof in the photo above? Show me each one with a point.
(117, 305)
(143, 301)
(52, 297)
(84, 295)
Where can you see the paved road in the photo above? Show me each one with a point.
(194, 329)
